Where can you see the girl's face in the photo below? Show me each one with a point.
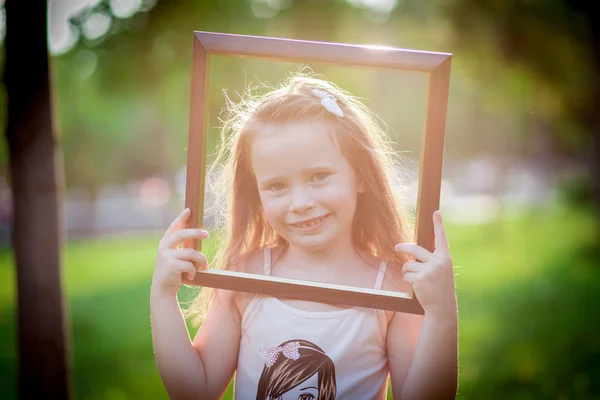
(307, 390)
(307, 187)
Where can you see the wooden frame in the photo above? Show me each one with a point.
(436, 65)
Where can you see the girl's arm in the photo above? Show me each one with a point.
(202, 369)
(423, 351)
(423, 356)
(188, 371)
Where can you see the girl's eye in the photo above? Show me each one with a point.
(277, 186)
(306, 396)
(319, 176)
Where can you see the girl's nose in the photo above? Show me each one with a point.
(301, 200)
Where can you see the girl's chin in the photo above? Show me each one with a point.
(311, 246)
(313, 242)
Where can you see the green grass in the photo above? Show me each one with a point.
(527, 290)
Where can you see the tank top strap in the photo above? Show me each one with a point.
(267, 267)
(380, 275)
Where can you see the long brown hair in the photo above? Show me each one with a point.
(380, 221)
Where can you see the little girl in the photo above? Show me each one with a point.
(309, 184)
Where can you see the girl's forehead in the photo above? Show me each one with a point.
(293, 137)
(294, 142)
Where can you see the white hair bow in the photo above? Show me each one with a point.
(329, 102)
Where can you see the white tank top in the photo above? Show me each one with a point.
(288, 353)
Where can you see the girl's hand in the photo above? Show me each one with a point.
(433, 277)
(172, 262)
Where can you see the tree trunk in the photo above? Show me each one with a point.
(595, 124)
(37, 233)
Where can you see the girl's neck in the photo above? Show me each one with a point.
(339, 254)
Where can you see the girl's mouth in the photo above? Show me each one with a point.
(311, 224)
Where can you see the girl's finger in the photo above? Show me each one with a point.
(177, 222)
(412, 266)
(410, 277)
(191, 255)
(184, 267)
(441, 241)
(415, 250)
(183, 234)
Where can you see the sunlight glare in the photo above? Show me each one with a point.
(96, 25)
(61, 35)
(125, 8)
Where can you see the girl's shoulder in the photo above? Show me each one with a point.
(251, 263)
(393, 279)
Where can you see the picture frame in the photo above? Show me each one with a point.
(435, 65)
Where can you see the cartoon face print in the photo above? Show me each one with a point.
(296, 370)
(307, 390)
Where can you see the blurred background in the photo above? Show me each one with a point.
(520, 166)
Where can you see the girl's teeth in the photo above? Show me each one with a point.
(310, 223)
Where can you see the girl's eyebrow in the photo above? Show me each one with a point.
(319, 166)
(309, 387)
(307, 169)
(270, 179)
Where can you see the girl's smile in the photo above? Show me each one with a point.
(310, 225)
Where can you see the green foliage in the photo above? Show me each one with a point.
(577, 191)
(124, 98)
(538, 53)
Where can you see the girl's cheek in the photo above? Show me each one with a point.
(273, 207)
(335, 193)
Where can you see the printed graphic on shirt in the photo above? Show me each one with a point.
(296, 370)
